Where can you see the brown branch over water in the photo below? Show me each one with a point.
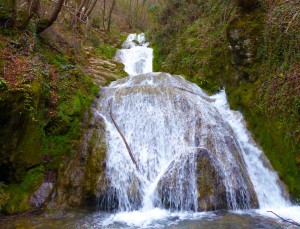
(286, 220)
(122, 136)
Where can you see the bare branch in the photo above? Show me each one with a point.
(123, 138)
(286, 220)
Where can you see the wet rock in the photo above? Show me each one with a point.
(210, 182)
(175, 193)
(128, 45)
(41, 194)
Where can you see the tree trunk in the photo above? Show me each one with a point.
(89, 11)
(53, 17)
(129, 15)
(33, 8)
(77, 14)
(104, 14)
(13, 13)
(110, 13)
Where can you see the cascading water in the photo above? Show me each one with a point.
(135, 55)
(185, 150)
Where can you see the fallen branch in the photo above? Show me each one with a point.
(183, 89)
(286, 220)
(124, 140)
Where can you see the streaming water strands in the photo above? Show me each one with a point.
(166, 121)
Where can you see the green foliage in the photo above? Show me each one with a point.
(96, 22)
(3, 83)
(106, 51)
(6, 31)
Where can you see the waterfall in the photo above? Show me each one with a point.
(171, 146)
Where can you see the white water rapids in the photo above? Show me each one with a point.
(167, 123)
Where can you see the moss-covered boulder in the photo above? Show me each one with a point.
(84, 181)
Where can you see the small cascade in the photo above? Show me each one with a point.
(171, 146)
(135, 46)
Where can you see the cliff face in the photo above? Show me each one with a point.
(252, 49)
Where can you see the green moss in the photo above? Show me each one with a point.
(19, 194)
(57, 59)
(5, 12)
(96, 162)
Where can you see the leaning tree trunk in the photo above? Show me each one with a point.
(77, 14)
(90, 9)
(46, 23)
(110, 13)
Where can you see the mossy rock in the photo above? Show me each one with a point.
(19, 194)
(84, 179)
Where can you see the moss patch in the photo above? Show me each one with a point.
(19, 194)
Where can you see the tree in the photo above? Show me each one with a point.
(33, 9)
(46, 23)
(24, 11)
(110, 13)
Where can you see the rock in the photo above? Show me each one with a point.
(103, 70)
(128, 45)
(210, 184)
(84, 179)
(41, 194)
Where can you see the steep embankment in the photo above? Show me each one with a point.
(44, 97)
(252, 48)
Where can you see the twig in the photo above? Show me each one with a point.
(124, 140)
(286, 220)
(290, 22)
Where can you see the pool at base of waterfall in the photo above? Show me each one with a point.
(157, 218)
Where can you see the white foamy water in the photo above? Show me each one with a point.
(146, 218)
(265, 180)
(136, 57)
(166, 122)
